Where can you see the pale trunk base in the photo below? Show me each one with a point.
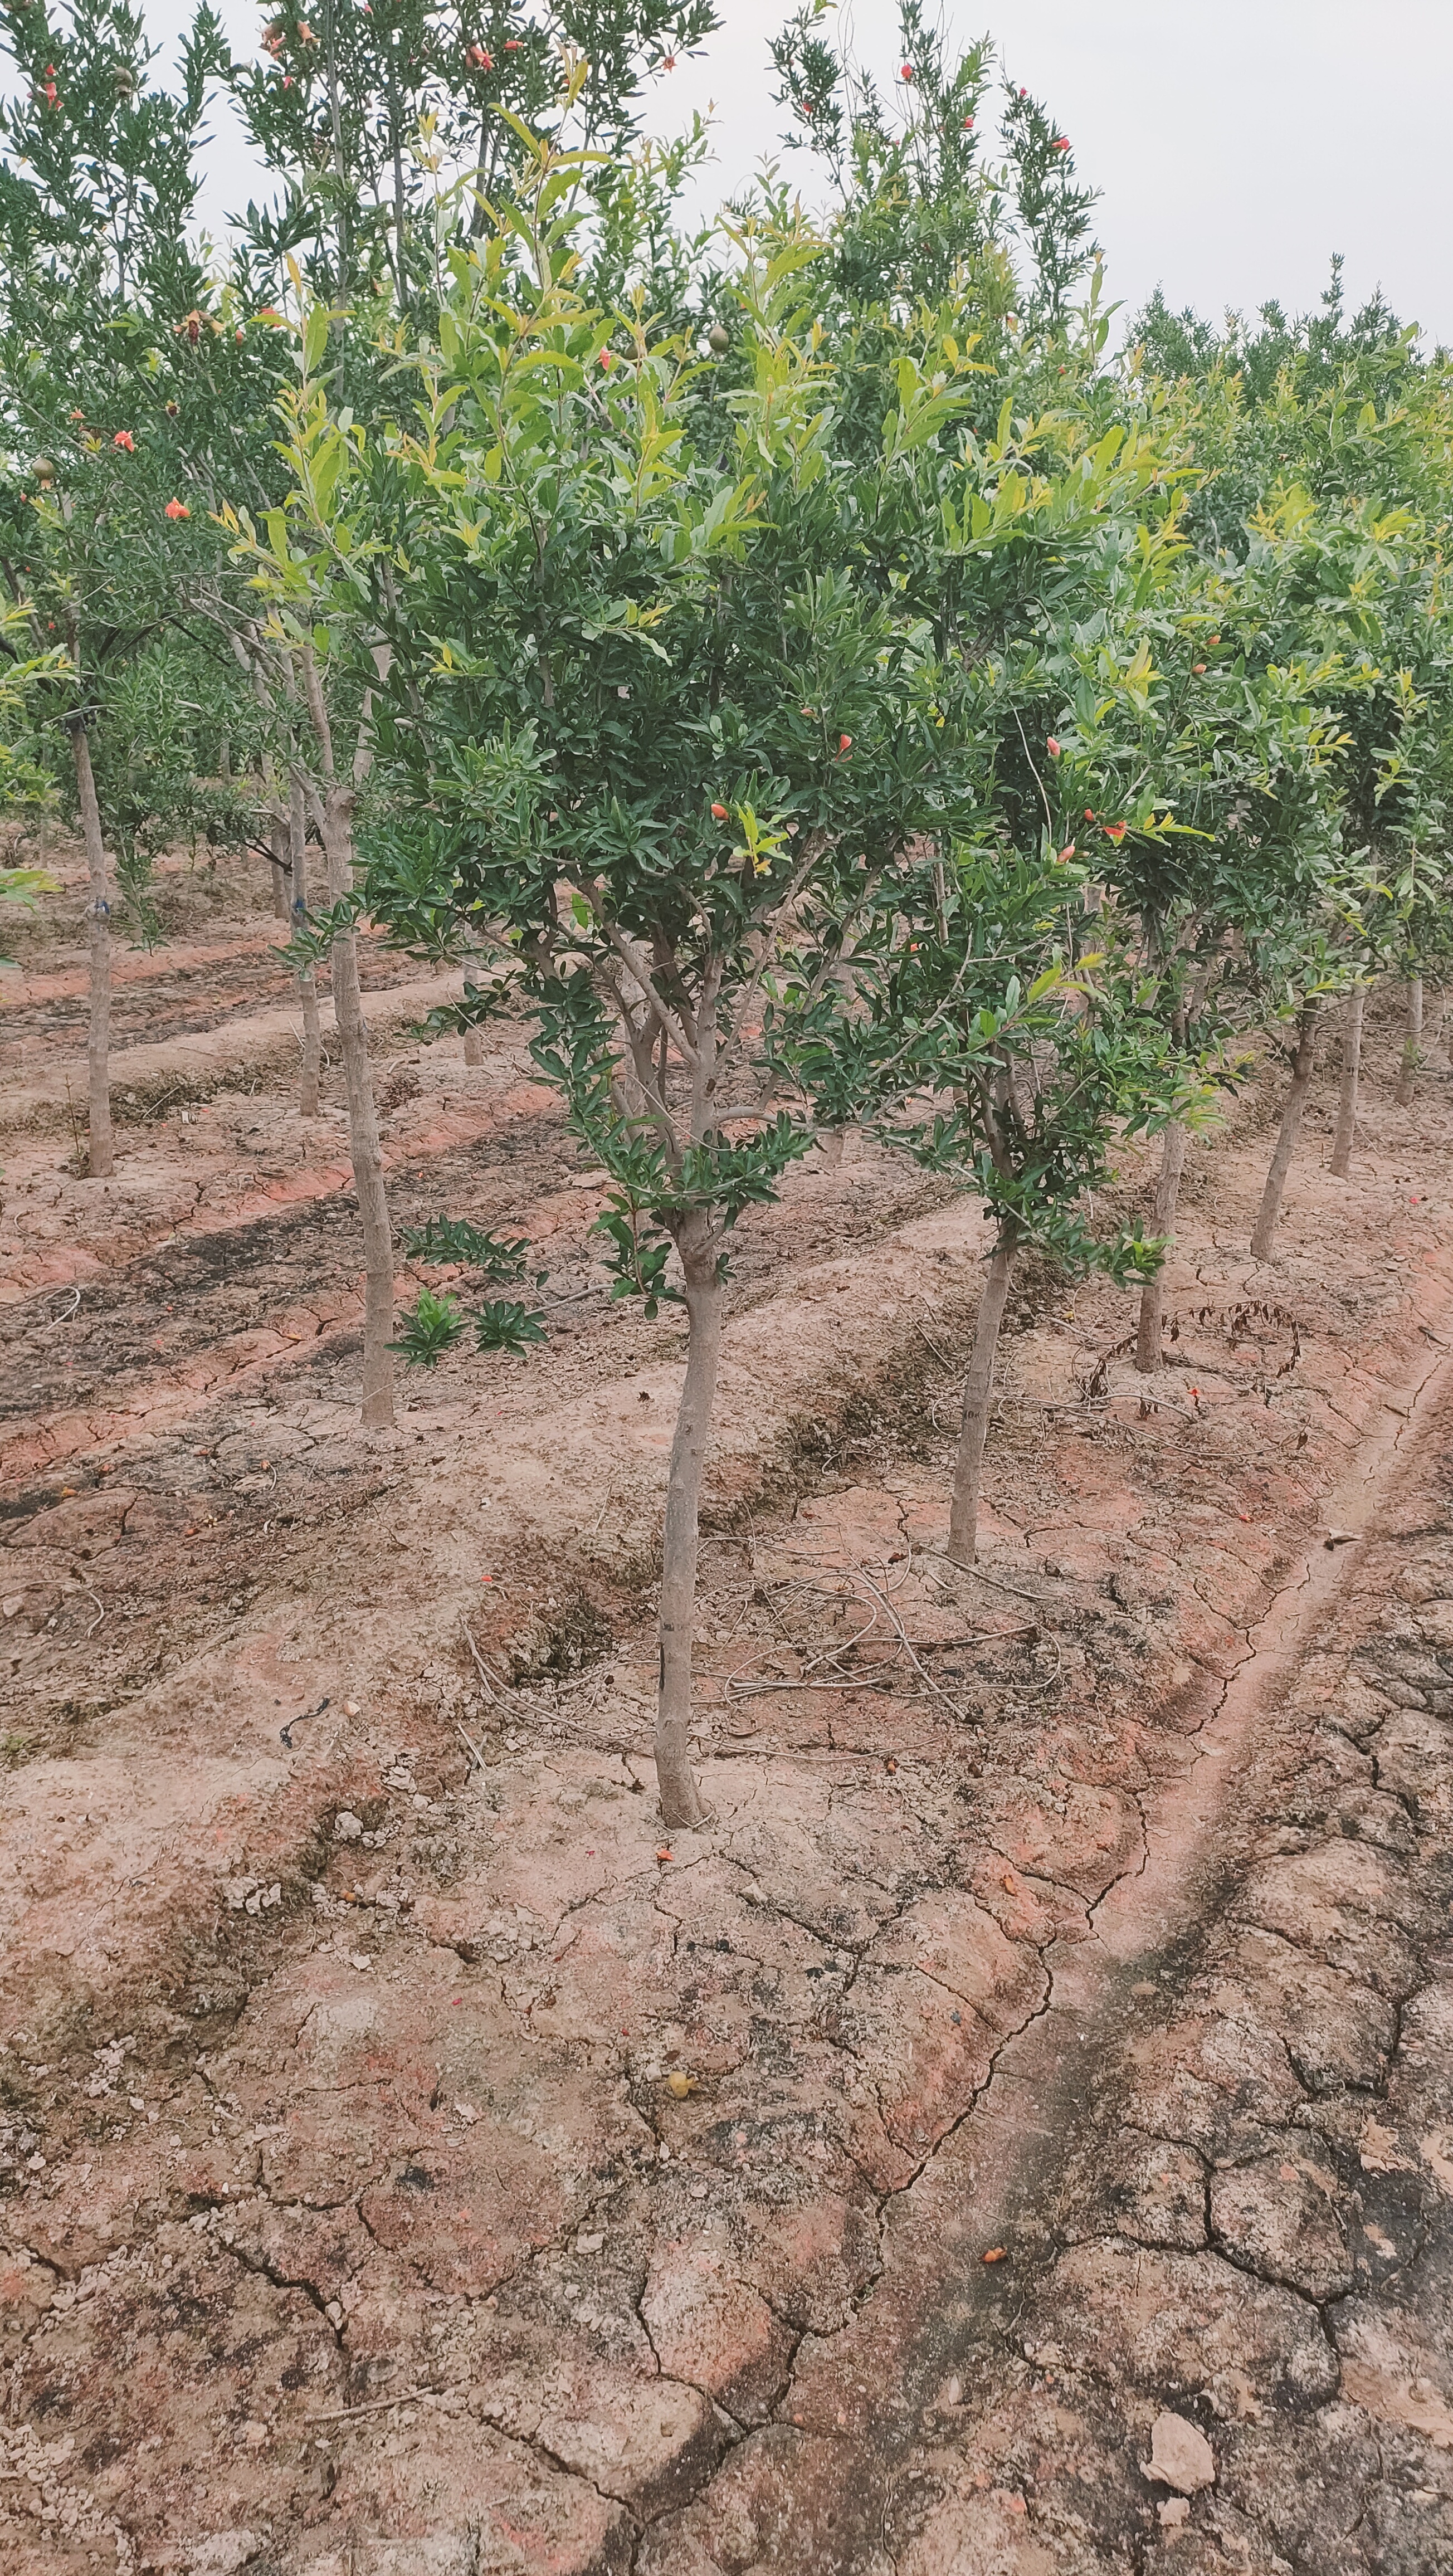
(680, 1797)
(963, 1527)
(363, 1137)
(307, 983)
(312, 1047)
(1263, 1234)
(1412, 1055)
(100, 1155)
(474, 1046)
(1152, 1295)
(1345, 1138)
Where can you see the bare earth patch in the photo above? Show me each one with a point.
(1036, 2078)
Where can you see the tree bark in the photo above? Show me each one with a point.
(963, 1526)
(279, 859)
(98, 1033)
(1342, 1142)
(1263, 1233)
(705, 1296)
(474, 1046)
(1152, 1295)
(307, 981)
(363, 1138)
(1412, 1042)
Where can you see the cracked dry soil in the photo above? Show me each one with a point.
(415, 2163)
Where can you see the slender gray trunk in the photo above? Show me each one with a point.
(307, 981)
(1342, 1142)
(1412, 1042)
(1263, 1233)
(705, 1297)
(363, 1137)
(474, 1046)
(98, 886)
(280, 862)
(335, 113)
(963, 1526)
(1152, 1295)
(399, 206)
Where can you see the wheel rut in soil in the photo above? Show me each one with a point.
(1211, 2176)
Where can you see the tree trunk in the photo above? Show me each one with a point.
(98, 1035)
(963, 1523)
(1152, 1295)
(378, 1249)
(307, 981)
(1412, 1042)
(1351, 1068)
(680, 1797)
(474, 1046)
(400, 279)
(279, 860)
(1434, 1050)
(330, 62)
(1263, 1233)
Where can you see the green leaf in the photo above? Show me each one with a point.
(432, 1327)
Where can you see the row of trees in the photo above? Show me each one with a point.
(791, 663)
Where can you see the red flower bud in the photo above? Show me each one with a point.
(606, 358)
(968, 121)
(1198, 668)
(907, 69)
(1115, 831)
(668, 62)
(719, 813)
(123, 438)
(1061, 143)
(845, 742)
(177, 510)
(1053, 748)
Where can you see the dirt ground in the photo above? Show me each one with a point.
(1015, 2136)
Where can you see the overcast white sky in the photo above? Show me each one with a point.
(1236, 145)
